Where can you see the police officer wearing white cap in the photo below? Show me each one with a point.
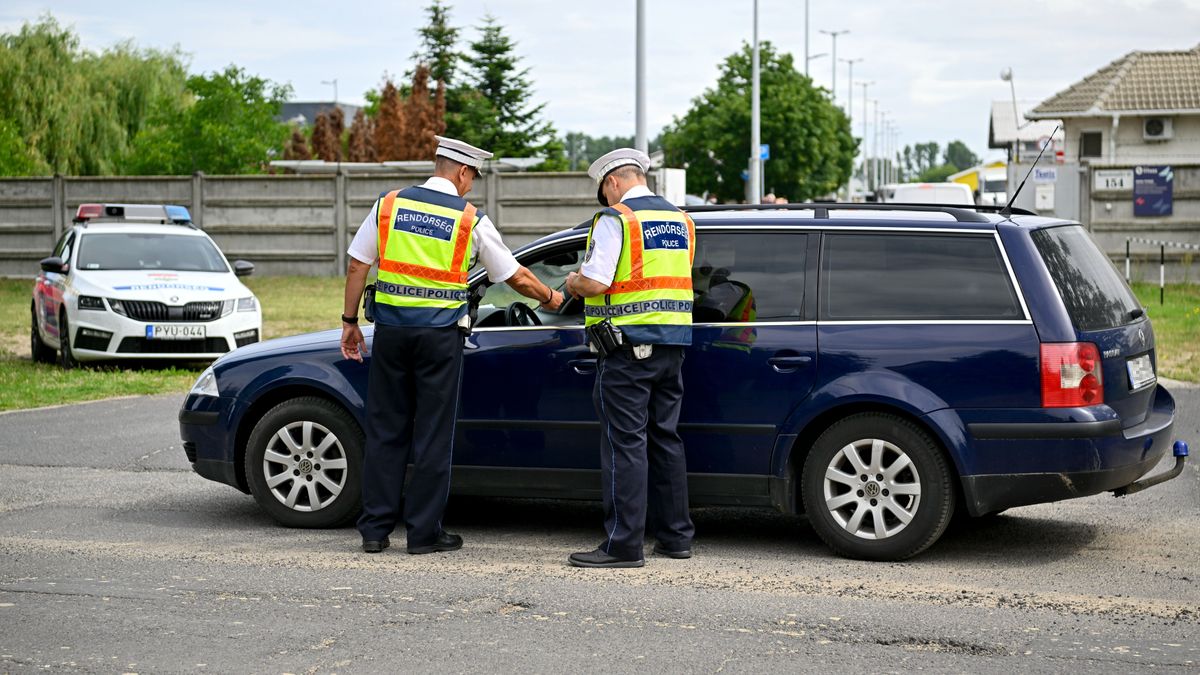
(637, 288)
(422, 238)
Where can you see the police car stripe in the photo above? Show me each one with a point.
(641, 307)
(389, 288)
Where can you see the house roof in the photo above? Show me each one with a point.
(1004, 127)
(1139, 82)
(305, 112)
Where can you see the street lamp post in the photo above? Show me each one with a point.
(864, 85)
(850, 88)
(807, 58)
(834, 34)
(640, 115)
(755, 196)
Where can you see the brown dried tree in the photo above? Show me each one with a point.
(362, 149)
(322, 139)
(421, 118)
(297, 146)
(337, 131)
(389, 125)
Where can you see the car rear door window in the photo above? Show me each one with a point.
(1095, 294)
(748, 277)
(913, 277)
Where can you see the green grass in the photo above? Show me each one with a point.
(293, 305)
(1176, 328)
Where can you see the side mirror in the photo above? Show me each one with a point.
(243, 268)
(54, 264)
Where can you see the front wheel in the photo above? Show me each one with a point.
(66, 354)
(877, 487)
(304, 463)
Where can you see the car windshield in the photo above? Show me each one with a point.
(139, 251)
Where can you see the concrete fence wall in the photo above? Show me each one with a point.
(294, 224)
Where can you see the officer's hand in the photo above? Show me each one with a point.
(555, 302)
(571, 278)
(353, 344)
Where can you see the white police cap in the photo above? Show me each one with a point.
(617, 159)
(463, 153)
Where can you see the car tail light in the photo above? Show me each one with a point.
(1071, 375)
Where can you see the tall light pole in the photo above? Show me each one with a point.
(640, 115)
(864, 85)
(834, 34)
(755, 140)
(807, 58)
(850, 88)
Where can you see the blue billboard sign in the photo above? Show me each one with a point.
(1153, 190)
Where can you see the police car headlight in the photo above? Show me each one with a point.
(91, 302)
(206, 385)
(227, 308)
(247, 304)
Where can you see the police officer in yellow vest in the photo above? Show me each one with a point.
(423, 238)
(637, 283)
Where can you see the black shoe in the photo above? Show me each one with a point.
(680, 554)
(444, 542)
(599, 558)
(375, 545)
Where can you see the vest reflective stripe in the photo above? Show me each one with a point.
(426, 264)
(651, 293)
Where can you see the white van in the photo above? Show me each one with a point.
(932, 193)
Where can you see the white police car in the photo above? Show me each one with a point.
(134, 281)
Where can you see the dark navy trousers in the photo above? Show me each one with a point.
(642, 464)
(412, 403)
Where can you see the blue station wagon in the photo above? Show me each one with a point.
(875, 367)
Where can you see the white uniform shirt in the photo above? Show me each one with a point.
(600, 262)
(493, 254)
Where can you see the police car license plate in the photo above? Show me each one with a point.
(1141, 371)
(174, 331)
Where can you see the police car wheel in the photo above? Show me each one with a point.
(42, 353)
(304, 464)
(66, 355)
(877, 487)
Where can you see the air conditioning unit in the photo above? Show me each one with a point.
(1157, 129)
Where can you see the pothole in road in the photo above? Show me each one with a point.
(916, 644)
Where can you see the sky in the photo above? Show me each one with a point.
(935, 66)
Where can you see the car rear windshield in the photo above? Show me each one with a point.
(137, 251)
(1095, 294)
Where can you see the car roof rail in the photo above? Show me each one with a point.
(961, 213)
(163, 214)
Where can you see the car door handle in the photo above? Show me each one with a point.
(788, 364)
(583, 366)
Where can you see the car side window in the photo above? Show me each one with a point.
(63, 248)
(881, 277)
(749, 277)
(552, 267)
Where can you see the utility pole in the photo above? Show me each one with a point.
(640, 116)
(864, 85)
(755, 140)
(834, 34)
(806, 57)
(850, 88)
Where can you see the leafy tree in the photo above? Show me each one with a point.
(229, 128)
(16, 158)
(937, 174)
(960, 156)
(812, 149)
(515, 128)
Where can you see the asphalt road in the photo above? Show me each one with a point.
(115, 557)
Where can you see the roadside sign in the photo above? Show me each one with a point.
(745, 174)
(764, 151)
(1153, 190)
(1045, 174)
(1112, 179)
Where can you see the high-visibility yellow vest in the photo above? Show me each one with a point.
(651, 294)
(424, 255)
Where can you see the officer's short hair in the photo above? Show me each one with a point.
(446, 165)
(629, 171)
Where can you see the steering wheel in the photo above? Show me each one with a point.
(520, 314)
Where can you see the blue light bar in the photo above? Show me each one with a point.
(178, 214)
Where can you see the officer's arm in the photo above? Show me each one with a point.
(527, 284)
(583, 287)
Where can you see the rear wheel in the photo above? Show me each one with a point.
(42, 353)
(304, 464)
(877, 487)
(66, 355)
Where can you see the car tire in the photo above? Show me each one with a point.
(42, 352)
(877, 487)
(304, 463)
(66, 355)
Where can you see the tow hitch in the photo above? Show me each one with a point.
(1180, 450)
